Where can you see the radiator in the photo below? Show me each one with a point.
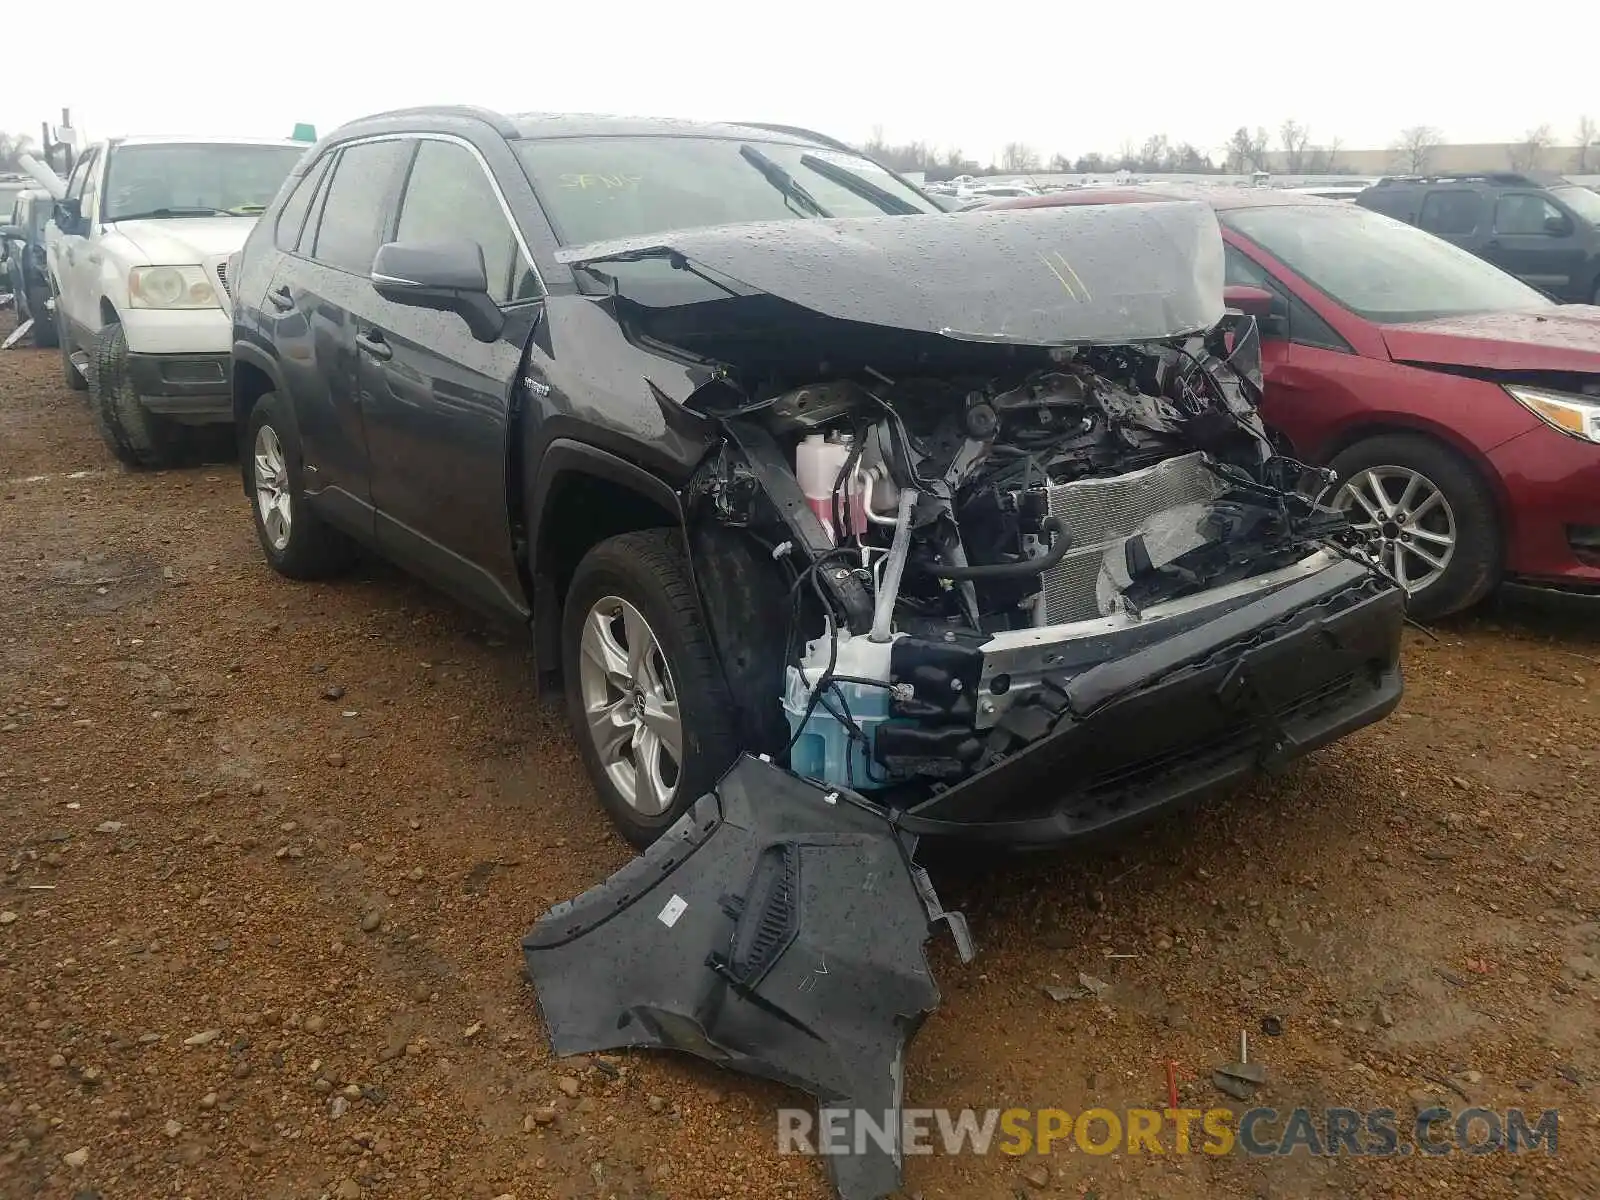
(1096, 513)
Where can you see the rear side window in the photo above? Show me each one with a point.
(450, 198)
(356, 215)
(1451, 214)
(292, 217)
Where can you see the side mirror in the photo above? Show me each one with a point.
(13, 231)
(69, 215)
(1252, 301)
(1557, 226)
(444, 276)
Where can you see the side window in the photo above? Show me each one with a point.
(360, 204)
(80, 173)
(1525, 212)
(292, 217)
(1291, 317)
(1306, 328)
(450, 198)
(1451, 213)
(91, 190)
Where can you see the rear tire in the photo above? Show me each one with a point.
(135, 435)
(1473, 565)
(639, 583)
(69, 373)
(297, 542)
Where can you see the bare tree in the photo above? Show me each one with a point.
(1588, 135)
(1019, 156)
(1060, 163)
(1260, 148)
(1239, 150)
(11, 147)
(1294, 137)
(1413, 149)
(1525, 155)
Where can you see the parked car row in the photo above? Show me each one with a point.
(654, 388)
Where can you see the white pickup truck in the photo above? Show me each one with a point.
(137, 254)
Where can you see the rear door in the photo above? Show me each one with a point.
(1459, 215)
(319, 293)
(1539, 243)
(437, 401)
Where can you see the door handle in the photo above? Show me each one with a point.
(281, 299)
(371, 343)
(1492, 244)
(94, 260)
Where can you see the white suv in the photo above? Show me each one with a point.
(137, 255)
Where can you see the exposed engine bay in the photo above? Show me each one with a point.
(1080, 493)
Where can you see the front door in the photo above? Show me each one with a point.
(437, 402)
(1539, 243)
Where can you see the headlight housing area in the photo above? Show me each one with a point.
(171, 287)
(1578, 416)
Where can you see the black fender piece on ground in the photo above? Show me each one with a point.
(777, 929)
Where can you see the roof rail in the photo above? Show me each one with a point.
(798, 131)
(1510, 178)
(498, 121)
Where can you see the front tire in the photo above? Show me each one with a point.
(1431, 516)
(297, 542)
(134, 434)
(649, 707)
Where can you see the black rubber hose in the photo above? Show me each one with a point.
(1025, 569)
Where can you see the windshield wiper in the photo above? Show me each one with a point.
(173, 212)
(247, 210)
(792, 189)
(865, 188)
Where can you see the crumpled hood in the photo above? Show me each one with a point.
(178, 240)
(1040, 277)
(1562, 338)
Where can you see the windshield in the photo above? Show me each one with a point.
(1581, 201)
(1378, 268)
(193, 179)
(600, 188)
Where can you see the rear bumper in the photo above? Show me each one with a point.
(193, 388)
(1552, 483)
(1251, 691)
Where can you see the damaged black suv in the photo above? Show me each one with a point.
(970, 515)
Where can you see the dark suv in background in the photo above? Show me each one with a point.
(23, 270)
(1538, 226)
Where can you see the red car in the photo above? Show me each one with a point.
(1459, 407)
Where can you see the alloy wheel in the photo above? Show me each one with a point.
(630, 705)
(272, 487)
(1409, 524)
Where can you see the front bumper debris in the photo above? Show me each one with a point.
(1251, 690)
(777, 929)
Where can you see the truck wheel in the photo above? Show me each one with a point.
(648, 704)
(134, 434)
(297, 542)
(1431, 518)
(44, 334)
(69, 373)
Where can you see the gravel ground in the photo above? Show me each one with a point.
(269, 849)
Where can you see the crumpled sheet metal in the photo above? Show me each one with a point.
(777, 929)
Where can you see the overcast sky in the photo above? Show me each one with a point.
(1061, 77)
